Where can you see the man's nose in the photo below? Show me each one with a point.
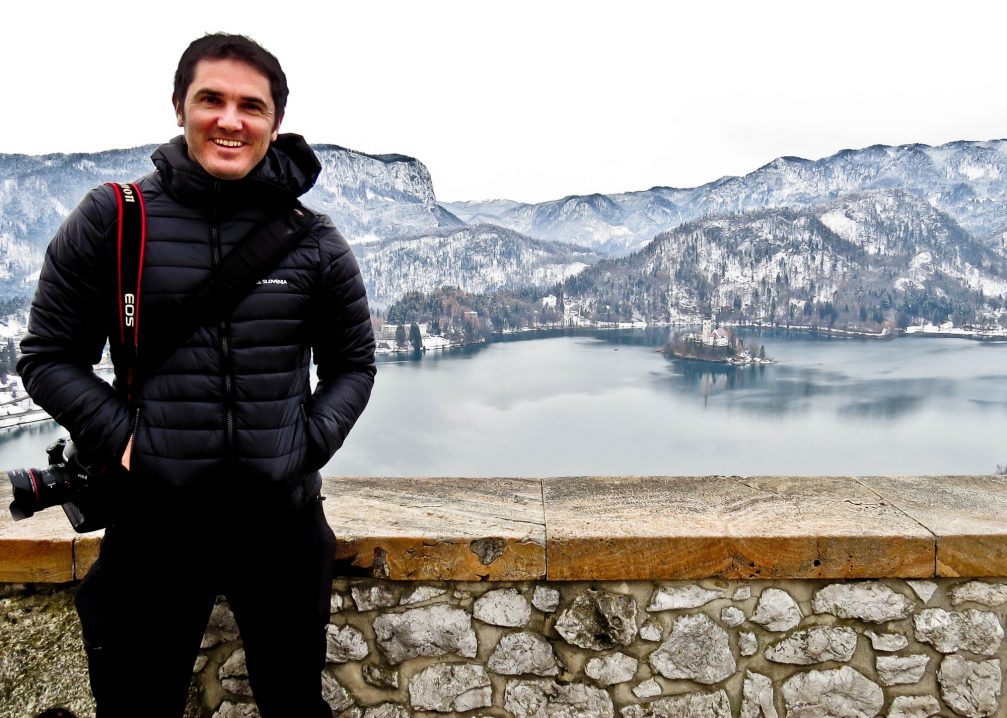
(229, 118)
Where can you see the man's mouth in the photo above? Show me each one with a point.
(227, 143)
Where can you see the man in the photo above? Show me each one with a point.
(223, 443)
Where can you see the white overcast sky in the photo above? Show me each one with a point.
(531, 100)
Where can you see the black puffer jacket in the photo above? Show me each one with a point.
(232, 405)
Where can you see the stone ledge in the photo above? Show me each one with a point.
(618, 528)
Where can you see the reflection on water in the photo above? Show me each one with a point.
(586, 403)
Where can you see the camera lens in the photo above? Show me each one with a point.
(36, 489)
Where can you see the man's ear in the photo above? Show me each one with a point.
(179, 115)
(276, 129)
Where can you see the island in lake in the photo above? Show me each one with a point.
(714, 344)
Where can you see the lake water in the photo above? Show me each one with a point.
(608, 403)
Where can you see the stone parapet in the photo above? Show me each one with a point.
(619, 528)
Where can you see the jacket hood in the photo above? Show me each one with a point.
(288, 170)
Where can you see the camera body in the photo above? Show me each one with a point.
(83, 493)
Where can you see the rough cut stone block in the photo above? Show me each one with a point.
(924, 590)
(435, 630)
(696, 649)
(971, 688)
(887, 641)
(545, 599)
(732, 616)
(689, 705)
(866, 601)
(949, 631)
(421, 594)
(374, 594)
(525, 652)
(448, 687)
(610, 670)
(815, 645)
(667, 598)
(648, 689)
(757, 697)
(651, 630)
(502, 607)
(776, 610)
(729, 527)
(380, 676)
(334, 694)
(967, 514)
(221, 627)
(85, 553)
(898, 670)
(914, 707)
(742, 593)
(840, 693)
(548, 699)
(748, 644)
(344, 643)
(465, 529)
(598, 620)
(234, 675)
(387, 710)
(236, 710)
(988, 594)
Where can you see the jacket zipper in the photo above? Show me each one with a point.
(225, 350)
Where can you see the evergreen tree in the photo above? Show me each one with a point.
(415, 337)
(400, 336)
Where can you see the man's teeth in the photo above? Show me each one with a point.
(229, 143)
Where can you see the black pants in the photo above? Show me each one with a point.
(144, 605)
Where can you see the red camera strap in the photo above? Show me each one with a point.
(131, 239)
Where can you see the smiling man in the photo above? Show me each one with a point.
(220, 448)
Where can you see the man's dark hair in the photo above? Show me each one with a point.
(221, 46)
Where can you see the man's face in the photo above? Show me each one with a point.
(228, 117)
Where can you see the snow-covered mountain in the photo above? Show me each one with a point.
(476, 259)
(880, 251)
(370, 197)
(966, 180)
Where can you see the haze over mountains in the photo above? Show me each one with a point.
(868, 228)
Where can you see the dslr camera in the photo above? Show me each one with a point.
(67, 481)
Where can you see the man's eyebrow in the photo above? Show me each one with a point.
(204, 91)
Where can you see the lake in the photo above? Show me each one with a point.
(608, 403)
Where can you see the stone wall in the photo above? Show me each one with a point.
(642, 649)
